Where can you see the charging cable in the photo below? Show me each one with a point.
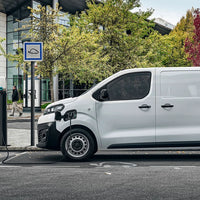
(72, 114)
(2, 92)
(3, 161)
(70, 130)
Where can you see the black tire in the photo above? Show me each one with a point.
(77, 145)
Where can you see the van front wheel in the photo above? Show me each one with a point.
(78, 145)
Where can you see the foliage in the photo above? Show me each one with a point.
(10, 101)
(169, 50)
(20, 101)
(68, 51)
(192, 46)
(83, 59)
(113, 20)
(106, 38)
(157, 48)
(184, 29)
(43, 106)
(43, 27)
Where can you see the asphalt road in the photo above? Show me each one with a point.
(139, 174)
(108, 175)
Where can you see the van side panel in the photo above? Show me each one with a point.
(178, 105)
(86, 116)
(125, 122)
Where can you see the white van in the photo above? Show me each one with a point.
(146, 107)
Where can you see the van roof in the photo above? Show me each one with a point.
(143, 69)
(163, 68)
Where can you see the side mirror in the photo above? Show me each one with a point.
(103, 95)
(58, 116)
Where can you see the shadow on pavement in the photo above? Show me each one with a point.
(149, 157)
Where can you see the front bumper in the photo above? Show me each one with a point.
(48, 136)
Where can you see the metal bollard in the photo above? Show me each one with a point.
(3, 118)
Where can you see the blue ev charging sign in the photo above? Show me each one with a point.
(33, 51)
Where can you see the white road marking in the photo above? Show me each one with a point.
(17, 155)
(113, 164)
(189, 166)
(8, 166)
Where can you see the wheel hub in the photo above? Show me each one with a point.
(77, 145)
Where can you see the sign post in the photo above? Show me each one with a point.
(33, 51)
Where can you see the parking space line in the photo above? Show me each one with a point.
(9, 159)
(9, 166)
(174, 166)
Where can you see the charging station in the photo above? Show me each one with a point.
(3, 118)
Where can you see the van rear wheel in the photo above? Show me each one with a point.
(77, 145)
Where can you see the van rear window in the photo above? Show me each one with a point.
(180, 84)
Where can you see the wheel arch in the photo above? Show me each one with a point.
(81, 127)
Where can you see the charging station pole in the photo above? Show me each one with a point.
(32, 103)
(3, 117)
(33, 51)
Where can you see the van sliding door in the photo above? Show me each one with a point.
(178, 106)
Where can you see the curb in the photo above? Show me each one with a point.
(28, 148)
(24, 118)
(20, 120)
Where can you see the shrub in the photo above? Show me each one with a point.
(43, 106)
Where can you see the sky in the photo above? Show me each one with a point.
(169, 10)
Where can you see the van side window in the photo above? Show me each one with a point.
(127, 87)
(182, 84)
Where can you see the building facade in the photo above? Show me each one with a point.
(13, 15)
(2, 58)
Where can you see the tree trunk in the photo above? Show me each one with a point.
(51, 88)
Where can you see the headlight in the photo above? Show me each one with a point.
(53, 109)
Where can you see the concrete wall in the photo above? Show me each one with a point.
(2, 58)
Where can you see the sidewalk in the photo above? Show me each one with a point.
(20, 139)
(25, 116)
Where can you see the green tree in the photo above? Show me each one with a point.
(169, 50)
(69, 51)
(42, 27)
(123, 32)
(183, 30)
(157, 49)
(83, 59)
(73, 51)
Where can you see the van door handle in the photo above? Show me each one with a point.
(167, 105)
(144, 106)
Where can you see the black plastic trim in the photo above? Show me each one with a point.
(167, 105)
(52, 135)
(144, 106)
(152, 145)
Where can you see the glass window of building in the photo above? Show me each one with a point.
(13, 42)
(15, 39)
